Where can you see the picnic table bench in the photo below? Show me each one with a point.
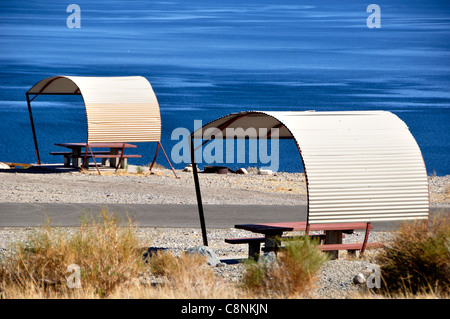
(79, 157)
(330, 241)
(70, 156)
(254, 243)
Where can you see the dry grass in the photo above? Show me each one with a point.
(183, 270)
(105, 252)
(110, 264)
(188, 276)
(290, 275)
(418, 259)
(112, 267)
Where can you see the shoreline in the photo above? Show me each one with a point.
(38, 186)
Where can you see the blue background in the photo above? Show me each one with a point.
(206, 59)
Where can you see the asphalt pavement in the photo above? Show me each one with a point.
(161, 215)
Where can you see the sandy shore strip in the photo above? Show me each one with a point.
(164, 188)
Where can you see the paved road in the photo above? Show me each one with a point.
(216, 216)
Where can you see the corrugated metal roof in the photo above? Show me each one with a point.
(118, 109)
(360, 166)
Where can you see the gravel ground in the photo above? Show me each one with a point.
(161, 188)
(335, 279)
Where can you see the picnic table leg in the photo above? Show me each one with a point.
(66, 161)
(333, 237)
(272, 242)
(83, 165)
(113, 160)
(105, 161)
(76, 158)
(121, 157)
(366, 238)
(254, 249)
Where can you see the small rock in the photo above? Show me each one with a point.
(265, 172)
(205, 251)
(189, 168)
(359, 279)
(152, 251)
(268, 258)
(242, 171)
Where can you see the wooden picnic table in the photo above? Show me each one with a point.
(273, 233)
(76, 153)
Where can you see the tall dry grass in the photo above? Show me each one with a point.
(111, 266)
(188, 276)
(291, 274)
(104, 250)
(417, 261)
(414, 265)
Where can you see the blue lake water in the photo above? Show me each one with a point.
(206, 59)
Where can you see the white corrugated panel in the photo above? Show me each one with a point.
(369, 158)
(118, 109)
(361, 166)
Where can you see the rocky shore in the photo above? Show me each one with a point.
(38, 186)
(335, 280)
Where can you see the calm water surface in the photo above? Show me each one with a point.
(206, 59)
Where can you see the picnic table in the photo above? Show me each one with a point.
(331, 239)
(78, 156)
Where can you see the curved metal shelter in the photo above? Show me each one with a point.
(118, 109)
(360, 166)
